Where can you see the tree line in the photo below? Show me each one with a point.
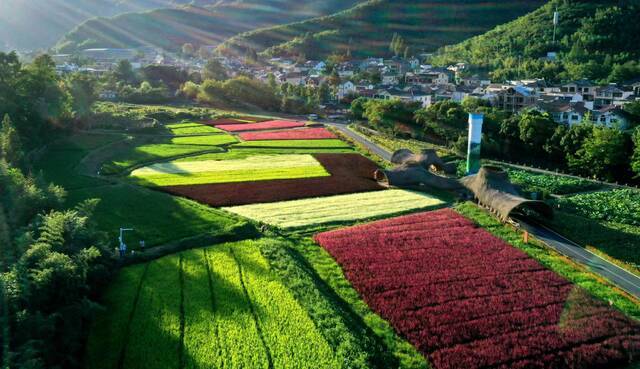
(533, 137)
(52, 260)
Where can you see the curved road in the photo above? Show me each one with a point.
(622, 278)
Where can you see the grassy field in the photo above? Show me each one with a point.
(336, 209)
(252, 168)
(59, 163)
(183, 129)
(293, 144)
(158, 218)
(216, 307)
(141, 151)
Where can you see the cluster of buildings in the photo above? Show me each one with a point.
(409, 80)
(399, 78)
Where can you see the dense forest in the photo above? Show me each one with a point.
(52, 261)
(367, 29)
(169, 29)
(595, 39)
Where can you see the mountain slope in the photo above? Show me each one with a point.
(33, 24)
(595, 39)
(368, 28)
(170, 28)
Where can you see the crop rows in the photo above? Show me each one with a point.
(292, 134)
(555, 184)
(350, 173)
(336, 209)
(466, 299)
(220, 307)
(620, 206)
(295, 144)
(262, 126)
(252, 168)
(181, 129)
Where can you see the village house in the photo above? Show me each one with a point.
(345, 89)
(514, 98)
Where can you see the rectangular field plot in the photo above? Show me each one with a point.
(291, 134)
(336, 209)
(467, 299)
(350, 173)
(262, 126)
(252, 168)
(220, 307)
(181, 129)
(295, 144)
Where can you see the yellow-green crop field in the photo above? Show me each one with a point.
(218, 307)
(252, 168)
(336, 209)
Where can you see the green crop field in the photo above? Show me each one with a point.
(136, 153)
(216, 307)
(183, 129)
(554, 184)
(252, 168)
(336, 209)
(301, 144)
(621, 206)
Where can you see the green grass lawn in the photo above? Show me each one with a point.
(158, 218)
(300, 144)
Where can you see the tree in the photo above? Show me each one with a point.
(10, 145)
(83, 91)
(188, 49)
(124, 72)
(214, 70)
(536, 129)
(602, 154)
(635, 159)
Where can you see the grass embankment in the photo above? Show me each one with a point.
(577, 274)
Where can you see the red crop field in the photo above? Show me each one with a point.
(262, 126)
(467, 299)
(291, 134)
(350, 173)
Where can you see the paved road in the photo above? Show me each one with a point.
(621, 277)
(374, 148)
(624, 279)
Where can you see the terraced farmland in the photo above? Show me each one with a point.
(292, 134)
(293, 144)
(181, 129)
(468, 309)
(262, 126)
(252, 168)
(349, 173)
(336, 209)
(214, 307)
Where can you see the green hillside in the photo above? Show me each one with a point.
(368, 28)
(595, 39)
(171, 28)
(33, 24)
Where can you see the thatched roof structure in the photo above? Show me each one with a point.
(414, 171)
(492, 188)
